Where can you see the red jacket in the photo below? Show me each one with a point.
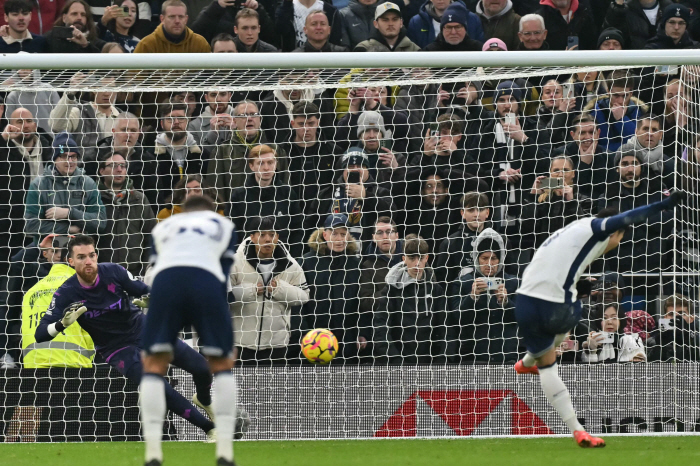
(43, 17)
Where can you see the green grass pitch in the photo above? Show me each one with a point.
(634, 451)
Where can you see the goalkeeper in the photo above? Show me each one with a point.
(548, 305)
(96, 297)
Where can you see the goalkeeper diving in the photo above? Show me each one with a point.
(548, 305)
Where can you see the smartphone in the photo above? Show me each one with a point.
(354, 177)
(569, 345)
(666, 70)
(493, 283)
(665, 324)
(572, 43)
(238, 4)
(62, 32)
(384, 143)
(567, 90)
(122, 12)
(551, 183)
(510, 119)
(434, 130)
(608, 337)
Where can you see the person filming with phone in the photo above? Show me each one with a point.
(609, 343)
(74, 30)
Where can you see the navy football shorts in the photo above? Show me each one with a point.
(539, 321)
(188, 296)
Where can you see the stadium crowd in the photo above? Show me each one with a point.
(398, 217)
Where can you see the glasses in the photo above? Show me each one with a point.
(116, 165)
(532, 33)
(455, 28)
(72, 157)
(384, 232)
(248, 115)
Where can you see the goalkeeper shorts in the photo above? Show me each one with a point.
(540, 321)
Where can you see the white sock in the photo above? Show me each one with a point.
(224, 401)
(558, 396)
(152, 403)
(528, 360)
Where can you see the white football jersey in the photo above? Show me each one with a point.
(193, 239)
(558, 264)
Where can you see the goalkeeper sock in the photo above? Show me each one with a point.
(225, 413)
(558, 396)
(528, 360)
(152, 403)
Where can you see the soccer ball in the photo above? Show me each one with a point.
(319, 346)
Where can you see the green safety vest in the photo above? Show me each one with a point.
(71, 348)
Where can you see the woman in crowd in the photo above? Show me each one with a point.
(610, 343)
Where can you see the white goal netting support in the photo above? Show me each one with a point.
(408, 191)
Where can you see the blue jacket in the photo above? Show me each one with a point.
(614, 133)
(422, 32)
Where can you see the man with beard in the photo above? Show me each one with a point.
(76, 15)
(18, 15)
(99, 297)
(177, 153)
(218, 102)
(390, 35)
(173, 35)
(454, 31)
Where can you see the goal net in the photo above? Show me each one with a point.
(407, 202)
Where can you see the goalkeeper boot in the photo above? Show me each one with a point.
(207, 408)
(586, 440)
(225, 462)
(242, 423)
(520, 368)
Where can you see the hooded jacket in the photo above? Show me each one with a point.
(358, 21)
(614, 133)
(278, 200)
(377, 43)
(659, 164)
(488, 330)
(156, 42)
(263, 321)
(77, 192)
(410, 319)
(582, 25)
(505, 25)
(127, 237)
(421, 29)
(168, 171)
(634, 24)
(334, 288)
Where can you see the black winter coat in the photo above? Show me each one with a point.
(582, 24)
(441, 45)
(284, 25)
(631, 20)
(214, 20)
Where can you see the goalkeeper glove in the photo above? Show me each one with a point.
(142, 302)
(71, 314)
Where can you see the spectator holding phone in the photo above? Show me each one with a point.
(119, 23)
(555, 113)
(609, 344)
(74, 30)
(485, 302)
(676, 338)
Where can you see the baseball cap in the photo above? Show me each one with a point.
(495, 42)
(336, 220)
(384, 8)
(355, 156)
(612, 278)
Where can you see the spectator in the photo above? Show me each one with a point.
(456, 35)
(424, 27)
(223, 43)
(647, 144)
(380, 255)
(265, 194)
(569, 18)
(177, 153)
(608, 288)
(672, 32)
(40, 102)
(119, 28)
(358, 21)
(290, 19)
(63, 200)
(188, 98)
(276, 122)
(389, 35)
(554, 209)
(141, 163)
(247, 30)
(190, 185)
(318, 31)
(499, 20)
(615, 114)
(332, 270)
(532, 33)
(311, 161)
(485, 300)
(86, 122)
(609, 344)
(218, 102)
(361, 200)
(637, 20)
(454, 258)
(554, 115)
(268, 284)
(386, 166)
(144, 23)
(591, 162)
(419, 101)
(676, 337)
(220, 18)
(18, 38)
(130, 218)
(410, 319)
(47, 11)
(611, 39)
(494, 45)
(235, 137)
(74, 14)
(173, 35)
(463, 100)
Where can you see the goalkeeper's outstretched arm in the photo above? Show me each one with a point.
(57, 320)
(604, 227)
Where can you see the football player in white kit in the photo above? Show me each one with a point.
(192, 255)
(548, 305)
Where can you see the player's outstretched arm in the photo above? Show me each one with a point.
(607, 226)
(53, 323)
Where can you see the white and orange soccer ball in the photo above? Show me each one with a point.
(319, 346)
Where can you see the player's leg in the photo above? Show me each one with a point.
(153, 404)
(224, 403)
(191, 361)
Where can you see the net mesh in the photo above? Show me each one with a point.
(482, 164)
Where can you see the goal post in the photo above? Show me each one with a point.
(479, 156)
